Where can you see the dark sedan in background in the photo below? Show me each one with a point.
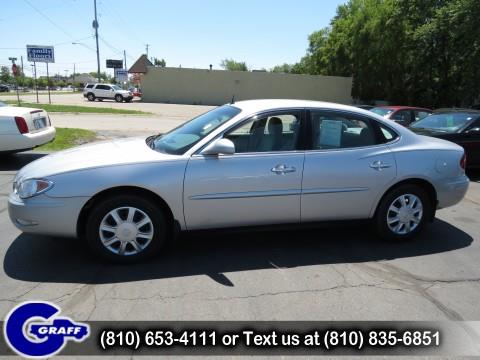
(461, 126)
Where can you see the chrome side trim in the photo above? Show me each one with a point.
(333, 190)
(246, 194)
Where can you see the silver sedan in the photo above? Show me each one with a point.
(259, 162)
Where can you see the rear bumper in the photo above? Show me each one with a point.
(27, 141)
(46, 215)
(452, 192)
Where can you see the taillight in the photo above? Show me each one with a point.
(21, 124)
(463, 161)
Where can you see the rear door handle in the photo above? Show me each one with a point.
(283, 169)
(379, 165)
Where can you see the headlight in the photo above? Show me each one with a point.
(32, 187)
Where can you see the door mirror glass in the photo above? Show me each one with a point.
(473, 130)
(220, 146)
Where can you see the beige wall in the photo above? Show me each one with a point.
(196, 86)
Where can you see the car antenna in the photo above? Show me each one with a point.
(233, 100)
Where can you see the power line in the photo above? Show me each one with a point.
(48, 19)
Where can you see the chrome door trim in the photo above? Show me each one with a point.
(333, 190)
(248, 194)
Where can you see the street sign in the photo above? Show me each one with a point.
(14, 70)
(37, 53)
(115, 64)
(121, 75)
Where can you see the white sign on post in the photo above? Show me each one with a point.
(121, 75)
(37, 53)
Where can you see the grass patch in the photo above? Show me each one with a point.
(67, 138)
(52, 108)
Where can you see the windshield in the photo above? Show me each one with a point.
(381, 111)
(179, 140)
(116, 87)
(448, 122)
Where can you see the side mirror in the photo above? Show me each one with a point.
(473, 130)
(220, 146)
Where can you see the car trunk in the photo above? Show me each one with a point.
(32, 121)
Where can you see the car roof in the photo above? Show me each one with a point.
(268, 104)
(401, 107)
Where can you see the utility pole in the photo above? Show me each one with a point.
(147, 45)
(13, 59)
(21, 61)
(124, 60)
(95, 26)
(73, 77)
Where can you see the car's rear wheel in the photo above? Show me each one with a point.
(90, 97)
(126, 228)
(118, 98)
(402, 213)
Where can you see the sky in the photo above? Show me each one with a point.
(193, 34)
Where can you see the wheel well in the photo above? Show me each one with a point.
(122, 190)
(425, 185)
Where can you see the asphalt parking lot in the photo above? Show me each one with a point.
(339, 273)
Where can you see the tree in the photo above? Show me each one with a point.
(159, 62)
(284, 68)
(232, 65)
(5, 76)
(417, 52)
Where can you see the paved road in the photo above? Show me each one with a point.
(164, 116)
(120, 125)
(337, 273)
(165, 110)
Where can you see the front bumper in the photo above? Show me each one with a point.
(452, 191)
(46, 215)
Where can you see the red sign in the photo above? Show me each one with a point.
(14, 70)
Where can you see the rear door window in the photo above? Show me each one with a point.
(337, 130)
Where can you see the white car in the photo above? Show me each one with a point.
(106, 91)
(24, 128)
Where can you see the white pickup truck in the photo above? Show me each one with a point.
(24, 128)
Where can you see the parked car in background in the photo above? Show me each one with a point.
(365, 107)
(4, 88)
(24, 128)
(106, 91)
(258, 162)
(135, 91)
(404, 115)
(461, 126)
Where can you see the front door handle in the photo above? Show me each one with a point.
(283, 169)
(379, 165)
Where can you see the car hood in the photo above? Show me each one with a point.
(106, 153)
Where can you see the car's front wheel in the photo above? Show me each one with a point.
(118, 98)
(126, 228)
(90, 97)
(402, 212)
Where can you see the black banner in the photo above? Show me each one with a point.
(275, 338)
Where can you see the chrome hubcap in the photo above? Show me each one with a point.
(126, 231)
(404, 214)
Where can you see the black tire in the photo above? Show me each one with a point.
(101, 210)
(118, 98)
(100, 100)
(90, 97)
(383, 213)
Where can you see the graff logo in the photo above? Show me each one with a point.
(33, 329)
